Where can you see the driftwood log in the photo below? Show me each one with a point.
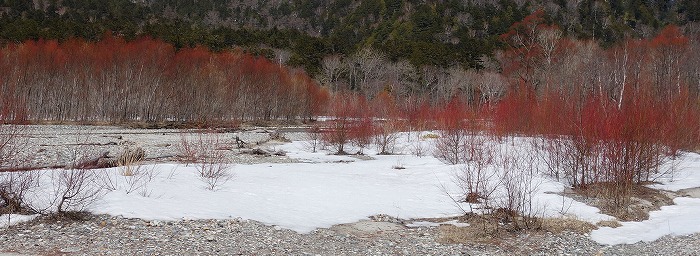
(263, 152)
(104, 160)
(240, 143)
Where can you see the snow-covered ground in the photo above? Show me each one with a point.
(679, 219)
(325, 190)
(11, 219)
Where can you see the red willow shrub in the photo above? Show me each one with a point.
(513, 115)
(343, 115)
(388, 122)
(146, 79)
(456, 125)
(613, 120)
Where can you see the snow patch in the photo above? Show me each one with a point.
(417, 224)
(7, 220)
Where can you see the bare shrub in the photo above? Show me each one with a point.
(417, 148)
(76, 188)
(605, 168)
(386, 135)
(204, 150)
(399, 165)
(188, 148)
(450, 145)
(338, 132)
(519, 186)
(553, 152)
(338, 135)
(198, 145)
(14, 187)
(213, 167)
(131, 175)
(314, 138)
(15, 184)
(475, 176)
(214, 172)
(362, 133)
(136, 175)
(501, 180)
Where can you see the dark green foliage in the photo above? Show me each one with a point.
(443, 33)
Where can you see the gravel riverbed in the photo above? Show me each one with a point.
(109, 235)
(50, 145)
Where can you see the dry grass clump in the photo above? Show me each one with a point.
(482, 229)
(430, 136)
(558, 225)
(640, 200)
(472, 234)
(609, 223)
(490, 229)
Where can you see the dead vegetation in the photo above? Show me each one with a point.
(494, 228)
(636, 207)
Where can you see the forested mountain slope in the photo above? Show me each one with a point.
(301, 32)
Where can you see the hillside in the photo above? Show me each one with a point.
(302, 32)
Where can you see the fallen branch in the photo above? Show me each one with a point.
(99, 162)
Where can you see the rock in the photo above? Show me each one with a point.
(690, 192)
(365, 228)
(69, 250)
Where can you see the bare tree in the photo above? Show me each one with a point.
(332, 67)
(366, 67)
(492, 87)
(548, 39)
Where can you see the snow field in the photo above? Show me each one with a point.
(325, 190)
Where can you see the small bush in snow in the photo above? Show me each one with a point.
(314, 138)
(386, 136)
(205, 151)
(214, 173)
(131, 176)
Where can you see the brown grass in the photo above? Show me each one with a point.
(558, 225)
(488, 229)
(608, 223)
(641, 201)
(430, 136)
(488, 234)
(482, 229)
